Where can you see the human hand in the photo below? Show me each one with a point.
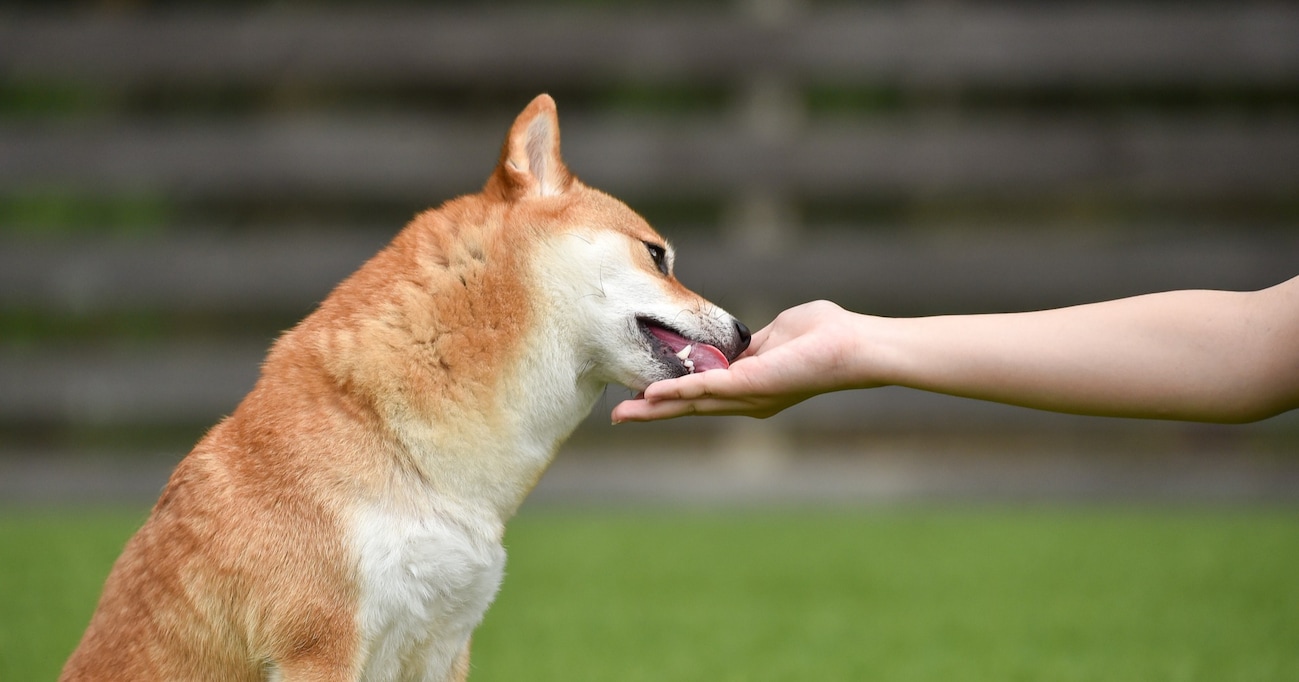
(807, 350)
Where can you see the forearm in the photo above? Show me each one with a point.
(1196, 355)
(1193, 355)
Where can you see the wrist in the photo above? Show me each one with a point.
(874, 350)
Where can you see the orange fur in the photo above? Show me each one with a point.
(244, 565)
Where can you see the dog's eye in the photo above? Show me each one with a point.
(659, 254)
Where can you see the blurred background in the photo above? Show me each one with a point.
(179, 182)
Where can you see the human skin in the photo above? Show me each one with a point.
(1196, 355)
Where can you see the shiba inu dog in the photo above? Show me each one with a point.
(345, 521)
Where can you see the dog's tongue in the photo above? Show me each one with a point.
(706, 357)
(703, 356)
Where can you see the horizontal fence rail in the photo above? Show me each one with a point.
(432, 160)
(923, 44)
(197, 384)
(289, 271)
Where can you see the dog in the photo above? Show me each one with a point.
(345, 521)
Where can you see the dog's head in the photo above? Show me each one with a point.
(623, 311)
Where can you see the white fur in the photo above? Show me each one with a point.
(431, 561)
(427, 580)
(589, 278)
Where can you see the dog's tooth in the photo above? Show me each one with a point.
(685, 352)
(690, 365)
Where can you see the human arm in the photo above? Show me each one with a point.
(1193, 355)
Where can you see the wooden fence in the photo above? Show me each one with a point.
(176, 186)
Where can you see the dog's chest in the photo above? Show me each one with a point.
(425, 585)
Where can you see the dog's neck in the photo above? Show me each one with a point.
(479, 410)
(490, 459)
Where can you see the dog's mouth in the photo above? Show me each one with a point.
(674, 348)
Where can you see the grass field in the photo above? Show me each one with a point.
(907, 595)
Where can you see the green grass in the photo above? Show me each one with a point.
(948, 594)
(51, 570)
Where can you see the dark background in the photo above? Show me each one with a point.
(179, 182)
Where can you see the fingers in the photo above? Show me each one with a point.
(689, 386)
(637, 410)
(715, 392)
(711, 384)
(703, 393)
(756, 342)
(641, 410)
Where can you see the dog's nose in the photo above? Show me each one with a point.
(745, 336)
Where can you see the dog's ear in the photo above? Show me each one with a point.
(530, 164)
